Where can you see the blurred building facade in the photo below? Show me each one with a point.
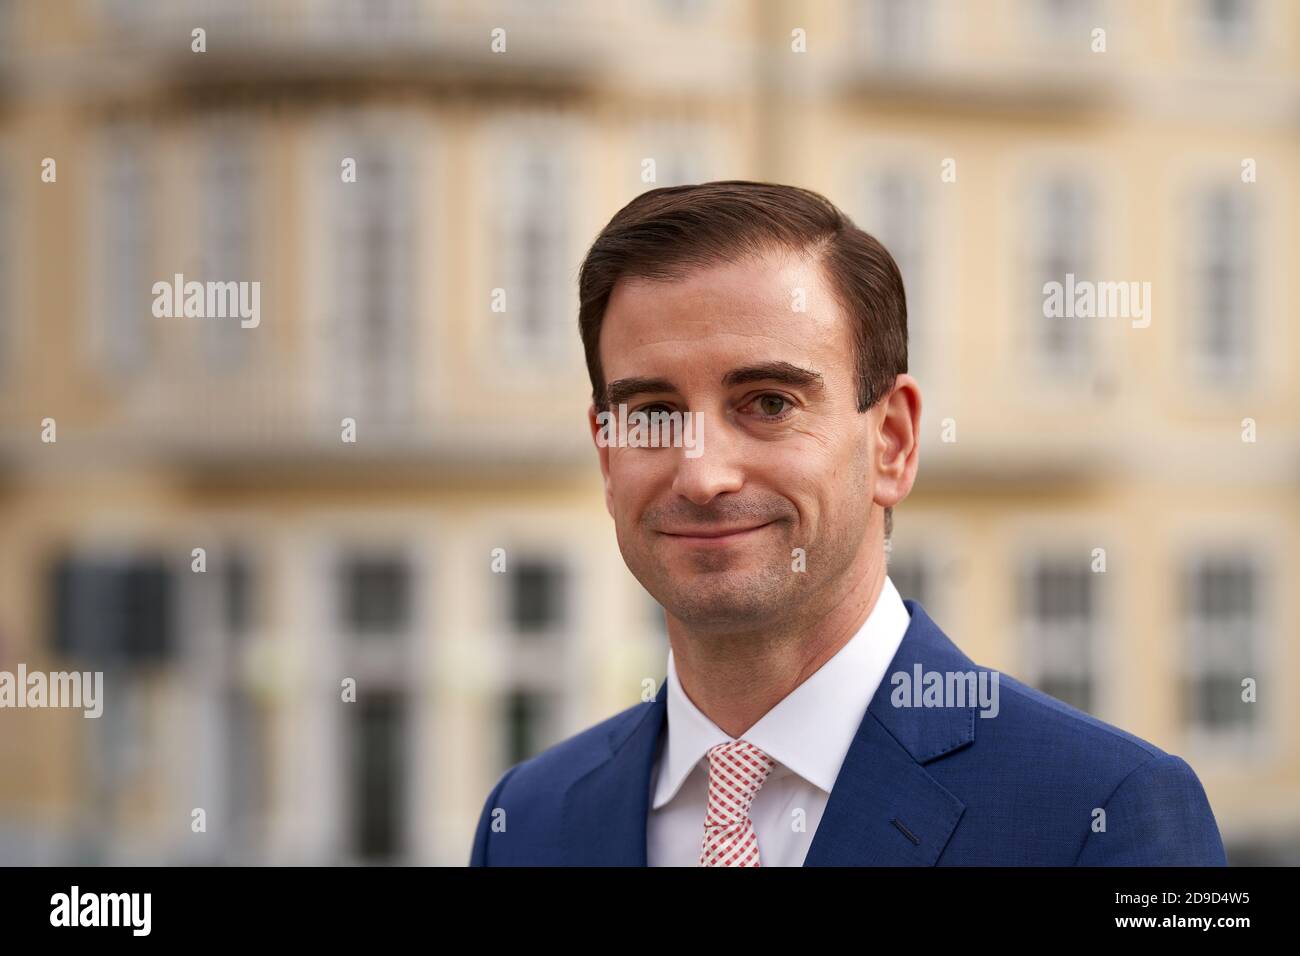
(1089, 514)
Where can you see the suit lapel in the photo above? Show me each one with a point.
(605, 812)
(885, 809)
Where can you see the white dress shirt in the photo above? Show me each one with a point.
(807, 733)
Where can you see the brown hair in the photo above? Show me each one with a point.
(665, 233)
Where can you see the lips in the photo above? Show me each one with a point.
(719, 535)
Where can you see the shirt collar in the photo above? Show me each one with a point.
(833, 700)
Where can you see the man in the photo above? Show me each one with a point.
(799, 723)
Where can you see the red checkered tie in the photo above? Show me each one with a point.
(736, 770)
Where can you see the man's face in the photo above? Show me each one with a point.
(789, 459)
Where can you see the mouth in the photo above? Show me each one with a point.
(714, 539)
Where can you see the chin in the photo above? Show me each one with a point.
(721, 598)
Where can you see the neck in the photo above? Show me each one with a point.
(736, 678)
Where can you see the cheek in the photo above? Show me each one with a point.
(633, 479)
(823, 481)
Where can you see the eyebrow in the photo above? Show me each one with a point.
(619, 391)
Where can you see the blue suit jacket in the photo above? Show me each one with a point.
(920, 786)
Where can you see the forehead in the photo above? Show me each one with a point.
(777, 306)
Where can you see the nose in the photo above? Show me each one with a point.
(715, 470)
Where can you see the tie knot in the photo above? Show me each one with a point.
(736, 770)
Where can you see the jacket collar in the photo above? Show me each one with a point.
(884, 810)
(833, 699)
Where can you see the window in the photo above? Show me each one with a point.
(893, 31)
(1061, 244)
(243, 762)
(373, 329)
(538, 673)
(376, 596)
(113, 609)
(246, 764)
(1226, 26)
(1069, 21)
(1059, 619)
(237, 603)
(537, 596)
(529, 721)
(1061, 30)
(1221, 607)
(226, 234)
(380, 616)
(896, 212)
(1223, 280)
(124, 305)
(532, 236)
(379, 751)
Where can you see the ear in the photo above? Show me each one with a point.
(897, 445)
(599, 434)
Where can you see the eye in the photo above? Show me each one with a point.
(770, 406)
(649, 409)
